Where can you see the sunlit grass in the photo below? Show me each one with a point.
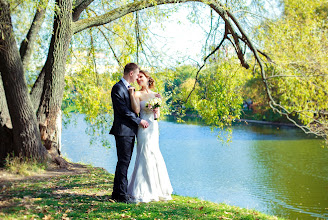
(87, 196)
(24, 166)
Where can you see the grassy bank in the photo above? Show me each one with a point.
(85, 195)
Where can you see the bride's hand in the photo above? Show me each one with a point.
(157, 95)
(131, 90)
(144, 123)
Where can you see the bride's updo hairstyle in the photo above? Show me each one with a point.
(151, 81)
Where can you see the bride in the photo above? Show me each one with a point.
(149, 180)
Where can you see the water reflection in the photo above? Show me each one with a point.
(277, 171)
(295, 175)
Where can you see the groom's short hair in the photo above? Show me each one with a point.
(130, 67)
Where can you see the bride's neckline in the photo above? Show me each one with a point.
(145, 90)
(147, 99)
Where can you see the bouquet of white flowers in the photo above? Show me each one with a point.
(154, 103)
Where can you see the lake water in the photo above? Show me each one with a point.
(276, 170)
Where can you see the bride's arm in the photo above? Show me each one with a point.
(135, 100)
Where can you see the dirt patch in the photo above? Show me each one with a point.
(53, 170)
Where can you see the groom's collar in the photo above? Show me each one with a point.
(125, 83)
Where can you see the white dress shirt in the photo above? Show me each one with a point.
(125, 83)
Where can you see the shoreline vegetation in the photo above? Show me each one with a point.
(246, 121)
(265, 122)
(83, 192)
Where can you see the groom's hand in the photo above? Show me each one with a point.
(144, 123)
(131, 90)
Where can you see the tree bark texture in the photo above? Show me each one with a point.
(26, 136)
(53, 87)
(36, 91)
(79, 8)
(4, 113)
(26, 47)
(6, 141)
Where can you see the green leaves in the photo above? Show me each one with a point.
(298, 79)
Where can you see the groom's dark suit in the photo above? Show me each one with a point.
(125, 128)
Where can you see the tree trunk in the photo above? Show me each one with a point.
(25, 133)
(4, 113)
(49, 111)
(36, 91)
(6, 143)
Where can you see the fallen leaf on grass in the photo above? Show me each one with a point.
(112, 201)
(47, 217)
(125, 216)
(223, 217)
(228, 213)
(64, 217)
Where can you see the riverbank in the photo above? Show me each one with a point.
(83, 192)
(249, 121)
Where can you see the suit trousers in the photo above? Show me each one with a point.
(124, 147)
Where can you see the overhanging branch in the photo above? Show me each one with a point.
(200, 68)
(79, 8)
(110, 46)
(120, 12)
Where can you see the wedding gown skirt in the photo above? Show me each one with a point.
(150, 180)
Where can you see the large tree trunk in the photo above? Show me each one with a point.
(6, 143)
(49, 111)
(4, 113)
(26, 136)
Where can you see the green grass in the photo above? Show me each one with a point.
(86, 196)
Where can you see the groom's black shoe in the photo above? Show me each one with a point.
(125, 199)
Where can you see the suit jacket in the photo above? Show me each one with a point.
(125, 120)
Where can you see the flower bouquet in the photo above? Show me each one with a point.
(154, 103)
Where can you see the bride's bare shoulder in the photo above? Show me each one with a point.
(137, 94)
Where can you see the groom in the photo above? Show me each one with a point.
(125, 128)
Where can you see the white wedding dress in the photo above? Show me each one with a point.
(149, 180)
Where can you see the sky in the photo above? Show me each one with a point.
(180, 39)
(183, 40)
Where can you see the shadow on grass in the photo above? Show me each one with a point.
(87, 195)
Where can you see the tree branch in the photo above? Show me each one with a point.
(110, 46)
(92, 52)
(298, 76)
(79, 8)
(27, 44)
(225, 14)
(36, 91)
(137, 35)
(120, 12)
(127, 42)
(208, 56)
(258, 50)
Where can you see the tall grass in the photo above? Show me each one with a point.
(24, 166)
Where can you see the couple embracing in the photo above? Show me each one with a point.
(149, 180)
